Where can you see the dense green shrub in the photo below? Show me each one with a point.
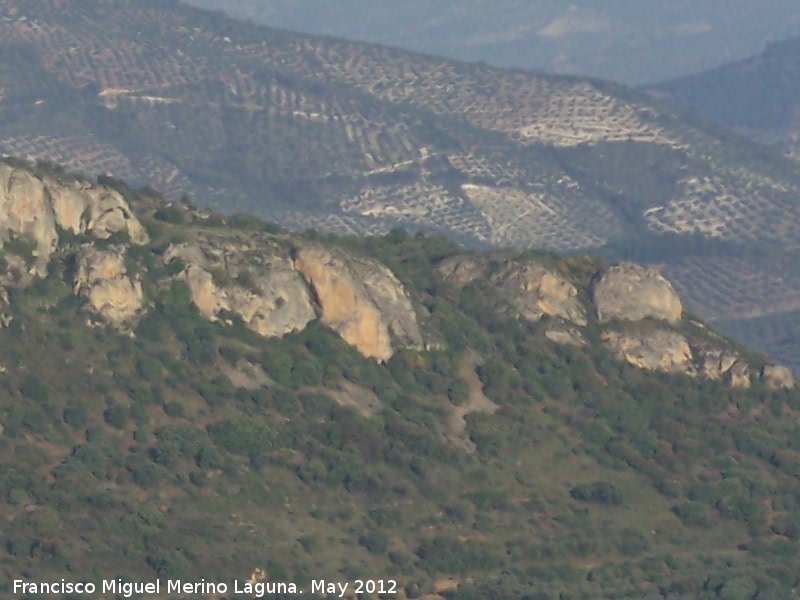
(33, 389)
(75, 416)
(116, 416)
(600, 491)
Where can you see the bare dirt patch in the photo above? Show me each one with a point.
(362, 399)
(246, 375)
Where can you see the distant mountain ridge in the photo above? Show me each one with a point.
(579, 37)
(757, 96)
(347, 137)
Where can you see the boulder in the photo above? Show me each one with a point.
(777, 377)
(738, 376)
(568, 336)
(631, 292)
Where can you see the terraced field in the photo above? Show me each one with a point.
(353, 138)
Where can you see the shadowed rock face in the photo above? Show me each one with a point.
(532, 290)
(462, 270)
(263, 288)
(360, 299)
(630, 292)
(102, 280)
(535, 292)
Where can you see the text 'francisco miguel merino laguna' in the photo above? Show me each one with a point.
(258, 589)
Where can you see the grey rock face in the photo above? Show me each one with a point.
(657, 350)
(259, 284)
(530, 288)
(462, 270)
(727, 366)
(535, 291)
(630, 292)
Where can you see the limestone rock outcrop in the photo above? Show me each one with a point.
(739, 375)
(716, 363)
(462, 270)
(655, 350)
(777, 377)
(81, 207)
(35, 208)
(631, 292)
(534, 292)
(102, 280)
(530, 288)
(724, 365)
(360, 299)
(258, 283)
(25, 212)
(569, 336)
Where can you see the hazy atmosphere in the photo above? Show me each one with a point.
(632, 41)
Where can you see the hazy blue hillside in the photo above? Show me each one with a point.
(757, 96)
(669, 39)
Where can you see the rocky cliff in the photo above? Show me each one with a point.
(274, 293)
(40, 208)
(360, 299)
(530, 289)
(257, 282)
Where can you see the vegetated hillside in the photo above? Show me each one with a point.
(757, 96)
(190, 396)
(353, 138)
(668, 39)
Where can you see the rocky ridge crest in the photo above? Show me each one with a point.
(639, 314)
(277, 285)
(40, 208)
